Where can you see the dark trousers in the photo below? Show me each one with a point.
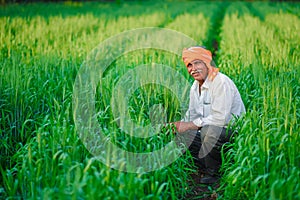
(206, 146)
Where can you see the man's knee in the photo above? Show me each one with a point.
(216, 133)
(213, 138)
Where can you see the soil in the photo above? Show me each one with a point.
(201, 191)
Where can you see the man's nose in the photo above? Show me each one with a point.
(193, 67)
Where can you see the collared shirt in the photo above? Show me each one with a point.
(217, 103)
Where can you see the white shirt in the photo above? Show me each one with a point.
(218, 102)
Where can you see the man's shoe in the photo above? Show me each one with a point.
(209, 179)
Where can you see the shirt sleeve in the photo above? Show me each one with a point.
(198, 122)
(190, 114)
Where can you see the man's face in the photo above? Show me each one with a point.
(198, 70)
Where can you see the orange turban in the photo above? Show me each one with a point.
(199, 53)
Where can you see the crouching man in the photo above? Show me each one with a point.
(214, 101)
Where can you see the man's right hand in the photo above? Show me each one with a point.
(185, 126)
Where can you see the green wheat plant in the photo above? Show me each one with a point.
(265, 160)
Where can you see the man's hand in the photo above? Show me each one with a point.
(185, 126)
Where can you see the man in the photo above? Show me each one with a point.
(214, 101)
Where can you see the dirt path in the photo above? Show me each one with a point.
(201, 191)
